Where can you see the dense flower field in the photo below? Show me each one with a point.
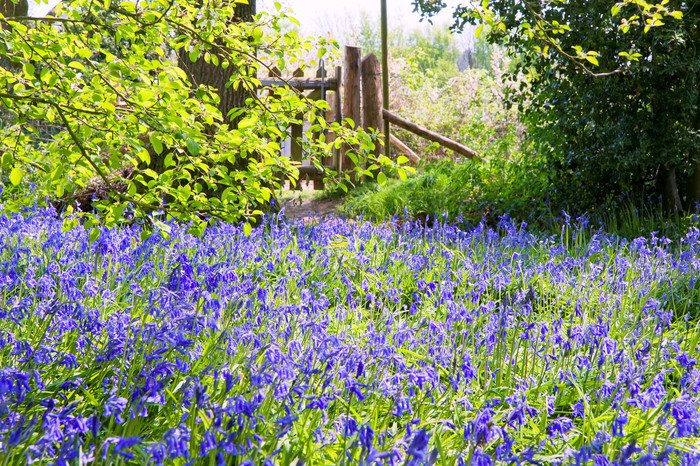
(346, 343)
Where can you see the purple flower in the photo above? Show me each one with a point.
(685, 412)
(618, 423)
(560, 426)
(479, 458)
(122, 445)
(418, 449)
(686, 361)
(480, 430)
(366, 436)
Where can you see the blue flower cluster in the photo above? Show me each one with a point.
(346, 343)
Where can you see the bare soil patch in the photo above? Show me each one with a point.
(307, 208)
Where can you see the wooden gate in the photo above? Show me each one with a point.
(318, 87)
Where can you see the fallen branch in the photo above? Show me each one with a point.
(405, 150)
(430, 135)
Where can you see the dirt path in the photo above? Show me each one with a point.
(307, 208)
(295, 209)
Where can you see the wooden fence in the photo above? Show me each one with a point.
(319, 87)
(360, 82)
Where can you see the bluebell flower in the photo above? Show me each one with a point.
(418, 448)
(685, 412)
(617, 425)
(479, 458)
(559, 427)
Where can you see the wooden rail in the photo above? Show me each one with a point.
(430, 135)
(404, 149)
(305, 84)
(314, 88)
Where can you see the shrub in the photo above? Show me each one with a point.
(467, 191)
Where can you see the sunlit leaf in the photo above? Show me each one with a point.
(16, 176)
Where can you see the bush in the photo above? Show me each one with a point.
(468, 191)
(473, 107)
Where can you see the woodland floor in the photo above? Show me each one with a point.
(307, 205)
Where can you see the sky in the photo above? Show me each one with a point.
(318, 16)
(334, 17)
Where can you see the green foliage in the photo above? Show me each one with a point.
(367, 35)
(431, 50)
(474, 107)
(435, 52)
(105, 78)
(615, 94)
(481, 52)
(609, 137)
(469, 191)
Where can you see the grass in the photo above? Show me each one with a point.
(347, 343)
(467, 192)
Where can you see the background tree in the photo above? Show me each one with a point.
(106, 75)
(13, 9)
(207, 72)
(615, 93)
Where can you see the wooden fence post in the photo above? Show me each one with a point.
(297, 132)
(337, 115)
(320, 73)
(351, 99)
(372, 99)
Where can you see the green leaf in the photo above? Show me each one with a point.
(401, 159)
(155, 142)
(28, 69)
(478, 31)
(69, 223)
(192, 146)
(16, 176)
(77, 65)
(247, 229)
(381, 178)
(402, 173)
(247, 123)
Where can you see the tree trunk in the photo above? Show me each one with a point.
(208, 74)
(202, 73)
(12, 10)
(666, 180)
(352, 83)
(693, 195)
